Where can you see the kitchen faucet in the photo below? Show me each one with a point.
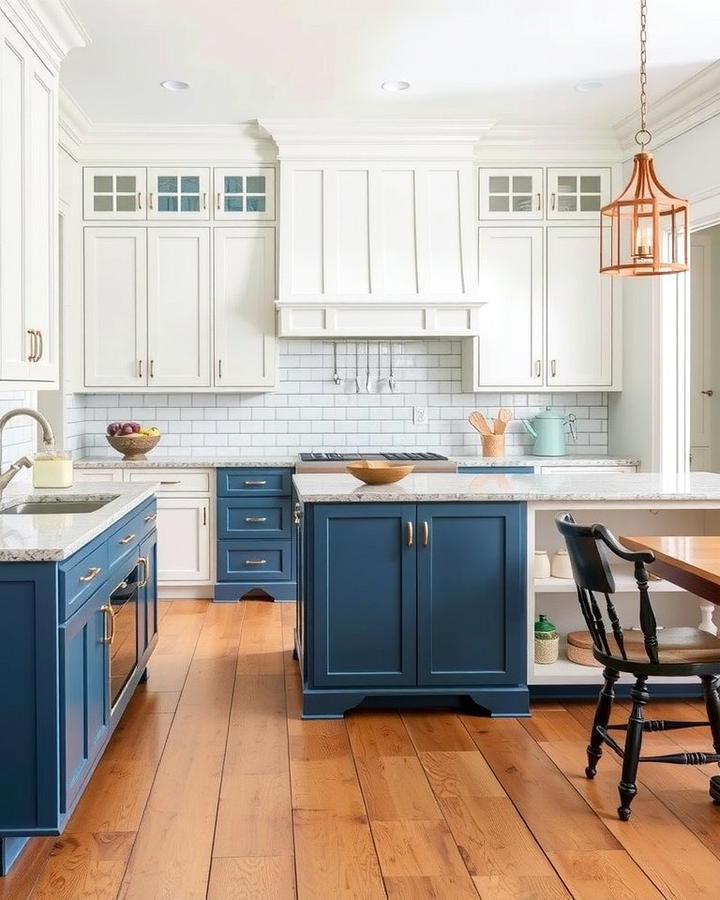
(48, 440)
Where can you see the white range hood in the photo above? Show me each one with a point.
(377, 228)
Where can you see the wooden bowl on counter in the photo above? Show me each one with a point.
(378, 471)
(133, 446)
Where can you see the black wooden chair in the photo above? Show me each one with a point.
(674, 652)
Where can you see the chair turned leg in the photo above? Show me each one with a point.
(710, 685)
(633, 741)
(602, 717)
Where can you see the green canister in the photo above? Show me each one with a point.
(547, 641)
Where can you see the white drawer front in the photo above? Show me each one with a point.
(172, 480)
(598, 470)
(84, 475)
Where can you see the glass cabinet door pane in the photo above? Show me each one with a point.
(499, 204)
(233, 204)
(522, 184)
(590, 184)
(167, 184)
(499, 184)
(189, 203)
(255, 204)
(126, 203)
(522, 203)
(590, 203)
(255, 184)
(567, 203)
(567, 184)
(233, 184)
(103, 184)
(167, 203)
(125, 184)
(190, 184)
(103, 203)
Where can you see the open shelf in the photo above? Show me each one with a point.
(566, 672)
(624, 584)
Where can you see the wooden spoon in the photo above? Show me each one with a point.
(479, 422)
(503, 417)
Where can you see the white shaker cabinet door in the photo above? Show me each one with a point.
(183, 526)
(510, 342)
(41, 307)
(510, 194)
(244, 311)
(579, 310)
(178, 193)
(178, 307)
(15, 343)
(115, 307)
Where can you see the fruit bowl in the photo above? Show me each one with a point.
(133, 446)
(377, 472)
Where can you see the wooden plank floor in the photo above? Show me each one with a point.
(212, 787)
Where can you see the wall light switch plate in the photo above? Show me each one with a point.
(420, 415)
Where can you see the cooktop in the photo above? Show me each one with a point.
(346, 457)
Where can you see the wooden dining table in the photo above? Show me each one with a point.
(691, 562)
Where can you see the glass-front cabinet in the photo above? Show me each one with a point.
(178, 193)
(510, 193)
(244, 192)
(577, 193)
(114, 193)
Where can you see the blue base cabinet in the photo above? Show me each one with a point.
(55, 678)
(406, 601)
(257, 544)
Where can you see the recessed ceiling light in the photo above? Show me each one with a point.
(586, 86)
(395, 85)
(172, 85)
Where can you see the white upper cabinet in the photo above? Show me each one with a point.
(377, 249)
(114, 193)
(579, 310)
(245, 351)
(244, 193)
(577, 193)
(28, 213)
(178, 193)
(115, 327)
(510, 194)
(178, 307)
(510, 344)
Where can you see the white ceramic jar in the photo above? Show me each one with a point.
(561, 567)
(541, 564)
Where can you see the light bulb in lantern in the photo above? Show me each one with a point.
(643, 242)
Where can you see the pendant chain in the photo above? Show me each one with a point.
(643, 137)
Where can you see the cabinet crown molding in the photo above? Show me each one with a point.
(49, 25)
(303, 138)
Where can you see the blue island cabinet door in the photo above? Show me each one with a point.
(84, 694)
(364, 595)
(471, 593)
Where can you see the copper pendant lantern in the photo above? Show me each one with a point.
(644, 231)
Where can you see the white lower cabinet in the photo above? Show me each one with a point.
(183, 539)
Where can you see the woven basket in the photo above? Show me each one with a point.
(547, 648)
(579, 649)
(493, 444)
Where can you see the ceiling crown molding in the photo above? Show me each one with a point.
(689, 104)
(49, 25)
(74, 125)
(308, 138)
(558, 142)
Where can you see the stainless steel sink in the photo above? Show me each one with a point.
(52, 507)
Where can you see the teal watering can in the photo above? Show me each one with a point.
(548, 431)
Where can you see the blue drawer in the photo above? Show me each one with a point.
(495, 470)
(258, 482)
(79, 576)
(259, 518)
(256, 561)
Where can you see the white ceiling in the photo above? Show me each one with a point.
(513, 61)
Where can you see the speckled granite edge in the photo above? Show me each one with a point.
(51, 538)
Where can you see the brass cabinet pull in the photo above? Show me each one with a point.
(145, 563)
(151, 518)
(108, 611)
(552, 201)
(204, 515)
(204, 200)
(255, 520)
(217, 200)
(538, 368)
(425, 534)
(91, 574)
(553, 367)
(255, 562)
(296, 514)
(708, 393)
(409, 534)
(31, 356)
(139, 368)
(150, 200)
(139, 200)
(152, 368)
(169, 482)
(255, 483)
(219, 368)
(539, 201)
(126, 540)
(41, 346)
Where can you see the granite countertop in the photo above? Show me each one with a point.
(50, 538)
(191, 462)
(330, 488)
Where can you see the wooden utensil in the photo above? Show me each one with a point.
(479, 422)
(503, 417)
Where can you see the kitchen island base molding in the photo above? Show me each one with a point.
(286, 592)
(496, 702)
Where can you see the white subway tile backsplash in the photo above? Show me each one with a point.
(308, 410)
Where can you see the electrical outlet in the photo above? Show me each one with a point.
(420, 416)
